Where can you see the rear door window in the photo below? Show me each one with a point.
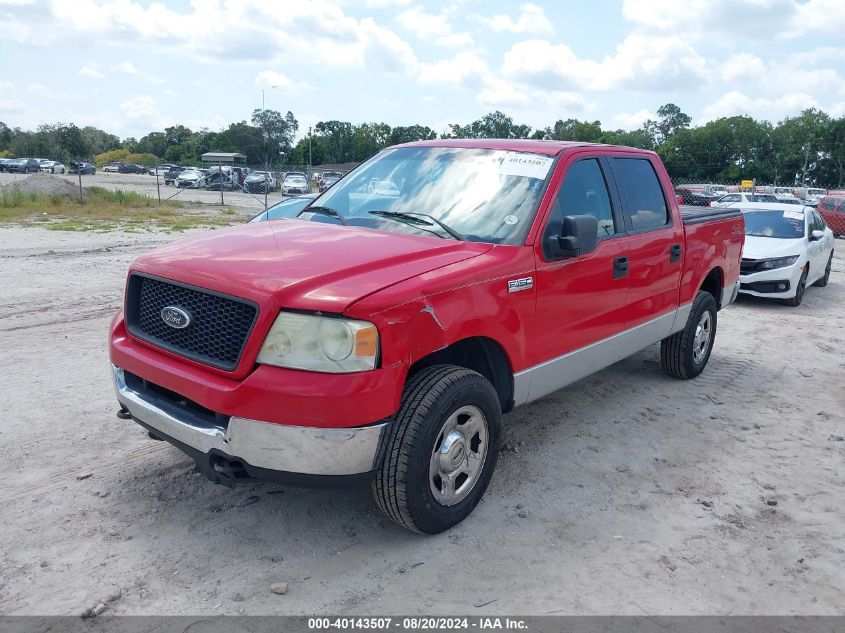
(646, 204)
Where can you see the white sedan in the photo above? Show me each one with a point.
(51, 167)
(786, 249)
(731, 199)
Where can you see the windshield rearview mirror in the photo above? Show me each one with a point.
(578, 236)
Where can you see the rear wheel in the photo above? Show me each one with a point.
(685, 354)
(799, 290)
(440, 451)
(821, 283)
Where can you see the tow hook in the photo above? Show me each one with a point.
(123, 413)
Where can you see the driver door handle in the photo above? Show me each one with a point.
(620, 267)
(675, 253)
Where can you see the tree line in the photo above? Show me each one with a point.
(808, 148)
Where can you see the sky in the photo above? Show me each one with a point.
(132, 67)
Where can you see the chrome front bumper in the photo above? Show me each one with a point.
(278, 447)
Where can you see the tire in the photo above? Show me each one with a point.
(821, 283)
(435, 400)
(799, 290)
(685, 354)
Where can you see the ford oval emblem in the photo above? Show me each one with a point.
(175, 317)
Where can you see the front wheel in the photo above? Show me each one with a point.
(796, 300)
(821, 283)
(441, 449)
(685, 354)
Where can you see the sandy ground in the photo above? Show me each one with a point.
(627, 493)
(146, 184)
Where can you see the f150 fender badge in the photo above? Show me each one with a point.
(525, 283)
(175, 317)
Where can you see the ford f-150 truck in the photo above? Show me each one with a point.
(380, 336)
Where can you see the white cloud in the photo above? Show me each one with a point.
(92, 69)
(823, 16)
(274, 79)
(378, 4)
(726, 20)
(639, 63)
(142, 109)
(737, 103)
(742, 67)
(531, 19)
(127, 68)
(12, 106)
(6, 85)
(171, 93)
(463, 68)
(631, 121)
(433, 27)
(44, 92)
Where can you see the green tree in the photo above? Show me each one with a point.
(493, 125)
(670, 120)
(277, 133)
(411, 133)
(574, 130)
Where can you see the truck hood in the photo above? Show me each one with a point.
(303, 264)
(767, 247)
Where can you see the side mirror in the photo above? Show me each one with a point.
(578, 236)
(816, 235)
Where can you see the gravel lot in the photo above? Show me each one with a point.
(627, 493)
(145, 184)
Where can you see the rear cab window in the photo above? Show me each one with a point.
(646, 205)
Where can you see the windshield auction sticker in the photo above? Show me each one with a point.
(527, 165)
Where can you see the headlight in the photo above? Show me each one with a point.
(782, 262)
(315, 343)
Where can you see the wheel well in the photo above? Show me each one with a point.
(713, 283)
(480, 354)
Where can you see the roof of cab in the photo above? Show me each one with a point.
(549, 148)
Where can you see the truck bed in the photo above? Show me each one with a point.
(697, 215)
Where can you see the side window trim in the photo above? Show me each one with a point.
(623, 194)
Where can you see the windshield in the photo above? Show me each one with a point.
(485, 195)
(816, 192)
(786, 225)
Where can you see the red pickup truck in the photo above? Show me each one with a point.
(381, 335)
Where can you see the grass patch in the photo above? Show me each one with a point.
(103, 210)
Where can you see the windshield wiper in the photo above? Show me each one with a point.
(413, 217)
(332, 213)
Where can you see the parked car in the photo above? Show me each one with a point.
(695, 198)
(4, 162)
(786, 249)
(113, 167)
(160, 170)
(229, 177)
(190, 178)
(832, 210)
(410, 324)
(171, 174)
(260, 181)
(718, 190)
(811, 194)
(52, 167)
(287, 208)
(81, 167)
(789, 199)
(320, 178)
(742, 196)
(23, 166)
(295, 183)
(328, 179)
(127, 168)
